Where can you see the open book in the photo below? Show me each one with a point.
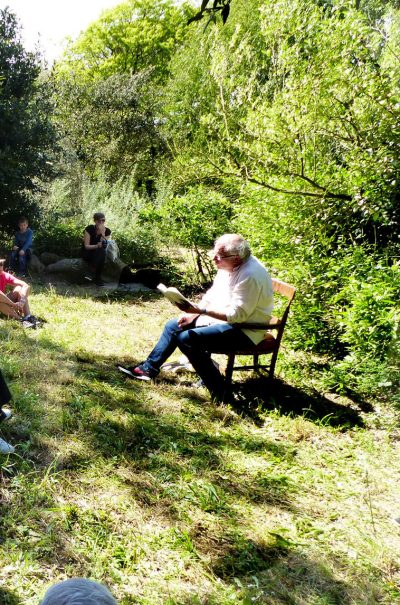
(177, 298)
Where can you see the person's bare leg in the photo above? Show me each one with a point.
(8, 311)
(17, 296)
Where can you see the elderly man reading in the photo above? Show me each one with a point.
(241, 292)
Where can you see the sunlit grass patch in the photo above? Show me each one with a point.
(169, 498)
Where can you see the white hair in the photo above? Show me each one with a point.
(78, 591)
(233, 243)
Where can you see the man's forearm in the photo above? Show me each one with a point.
(213, 314)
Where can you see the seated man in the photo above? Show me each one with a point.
(14, 304)
(21, 251)
(241, 292)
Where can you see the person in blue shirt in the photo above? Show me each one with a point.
(21, 251)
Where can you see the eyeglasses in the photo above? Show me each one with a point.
(219, 257)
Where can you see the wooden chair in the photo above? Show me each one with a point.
(271, 342)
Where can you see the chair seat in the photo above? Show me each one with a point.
(267, 345)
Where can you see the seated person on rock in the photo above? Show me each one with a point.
(94, 246)
(22, 246)
(241, 292)
(14, 304)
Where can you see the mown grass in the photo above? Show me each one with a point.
(168, 499)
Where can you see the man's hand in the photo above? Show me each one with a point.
(22, 252)
(191, 310)
(15, 248)
(186, 319)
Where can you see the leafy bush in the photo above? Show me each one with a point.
(78, 198)
(194, 220)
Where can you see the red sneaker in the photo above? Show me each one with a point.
(135, 372)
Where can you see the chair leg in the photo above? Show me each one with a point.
(228, 374)
(273, 364)
(255, 362)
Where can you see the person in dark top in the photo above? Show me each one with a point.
(5, 397)
(21, 251)
(94, 246)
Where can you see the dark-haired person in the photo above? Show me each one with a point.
(22, 245)
(241, 292)
(5, 397)
(94, 246)
(78, 591)
(15, 303)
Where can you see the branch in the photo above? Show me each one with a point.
(218, 6)
(324, 192)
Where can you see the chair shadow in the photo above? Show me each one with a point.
(260, 394)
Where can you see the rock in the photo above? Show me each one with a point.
(35, 265)
(49, 258)
(75, 269)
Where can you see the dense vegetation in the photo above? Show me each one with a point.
(282, 124)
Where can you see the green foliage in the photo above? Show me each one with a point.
(113, 127)
(367, 309)
(70, 205)
(64, 239)
(106, 83)
(135, 35)
(26, 134)
(194, 220)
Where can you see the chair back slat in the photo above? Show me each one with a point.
(280, 287)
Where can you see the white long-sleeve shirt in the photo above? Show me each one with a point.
(245, 294)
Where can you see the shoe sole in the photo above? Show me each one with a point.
(7, 415)
(131, 375)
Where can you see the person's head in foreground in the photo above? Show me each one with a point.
(78, 591)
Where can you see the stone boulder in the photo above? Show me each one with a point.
(48, 258)
(35, 264)
(75, 269)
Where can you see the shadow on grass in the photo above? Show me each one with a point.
(168, 461)
(89, 291)
(9, 598)
(275, 574)
(167, 446)
(264, 394)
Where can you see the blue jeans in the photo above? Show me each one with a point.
(197, 344)
(18, 262)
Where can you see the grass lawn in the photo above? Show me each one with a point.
(171, 500)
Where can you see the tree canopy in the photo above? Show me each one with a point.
(26, 133)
